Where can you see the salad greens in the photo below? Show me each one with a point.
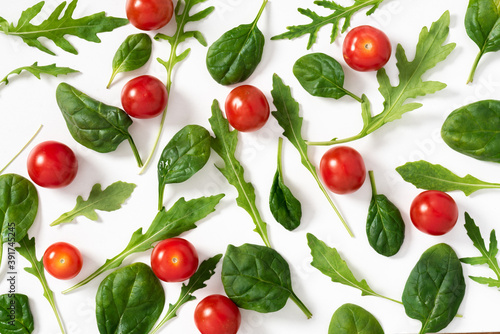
(21, 322)
(350, 319)
(37, 70)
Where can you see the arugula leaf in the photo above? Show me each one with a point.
(224, 144)
(339, 13)
(181, 217)
(429, 52)
(15, 314)
(488, 256)
(424, 175)
(37, 70)
(57, 26)
(109, 199)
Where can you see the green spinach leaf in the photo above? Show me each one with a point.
(237, 53)
(474, 130)
(129, 300)
(15, 314)
(132, 54)
(94, 124)
(353, 319)
(385, 227)
(435, 288)
(37, 70)
(185, 154)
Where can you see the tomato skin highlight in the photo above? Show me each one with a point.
(247, 108)
(149, 14)
(174, 260)
(434, 212)
(144, 97)
(366, 48)
(52, 164)
(62, 260)
(342, 170)
(217, 314)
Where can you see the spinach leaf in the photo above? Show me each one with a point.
(109, 199)
(57, 26)
(482, 23)
(474, 130)
(15, 314)
(129, 300)
(425, 175)
(321, 75)
(186, 153)
(385, 227)
(285, 208)
(133, 53)
(37, 70)
(488, 256)
(353, 319)
(339, 13)
(258, 278)
(180, 218)
(435, 289)
(237, 53)
(94, 124)
(287, 115)
(18, 207)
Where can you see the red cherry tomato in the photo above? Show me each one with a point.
(366, 48)
(52, 164)
(149, 14)
(342, 169)
(174, 260)
(217, 314)
(247, 108)
(144, 97)
(434, 212)
(62, 260)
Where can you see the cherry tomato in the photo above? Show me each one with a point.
(366, 48)
(247, 108)
(217, 314)
(342, 169)
(434, 212)
(174, 260)
(62, 260)
(144, 97)
(52, 164)
(149, 14)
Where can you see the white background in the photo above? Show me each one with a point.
(27, 102)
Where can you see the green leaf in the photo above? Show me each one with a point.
(15, 314)
(37, 70)
(435, 288)
(340, 13)
(425, 175)
(58, 25)
(236, 54)
(184, 155)
(285, 208)
(109, 199)
(224, 144)
(385, 227)
(473, 130)
(133, 53)
(94, 124)
(353, 319)
(129, 300)
(180, 218)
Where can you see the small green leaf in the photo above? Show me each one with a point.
(353, 319)
(37, 70)
(15, 314)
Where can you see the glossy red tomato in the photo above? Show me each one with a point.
(342, 169)
(366, 48)
(144, 97)
(217, 314)
(434, 212)
(247, 108)
(149, 14)
(52, 164)
(62, 260)
(174, 260)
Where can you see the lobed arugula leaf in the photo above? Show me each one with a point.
(15, 314)
(58, 25)
(37, 70)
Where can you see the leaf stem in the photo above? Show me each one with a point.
(300, 304)
(354, 96)
(260, 11)
(372, 183)
(474, 66)
(136, 152)
(335, 141)
(22, 149)
(113, 75)
(280, 148)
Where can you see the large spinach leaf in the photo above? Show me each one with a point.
(353, 319)
(129, 300)
(15, 314)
